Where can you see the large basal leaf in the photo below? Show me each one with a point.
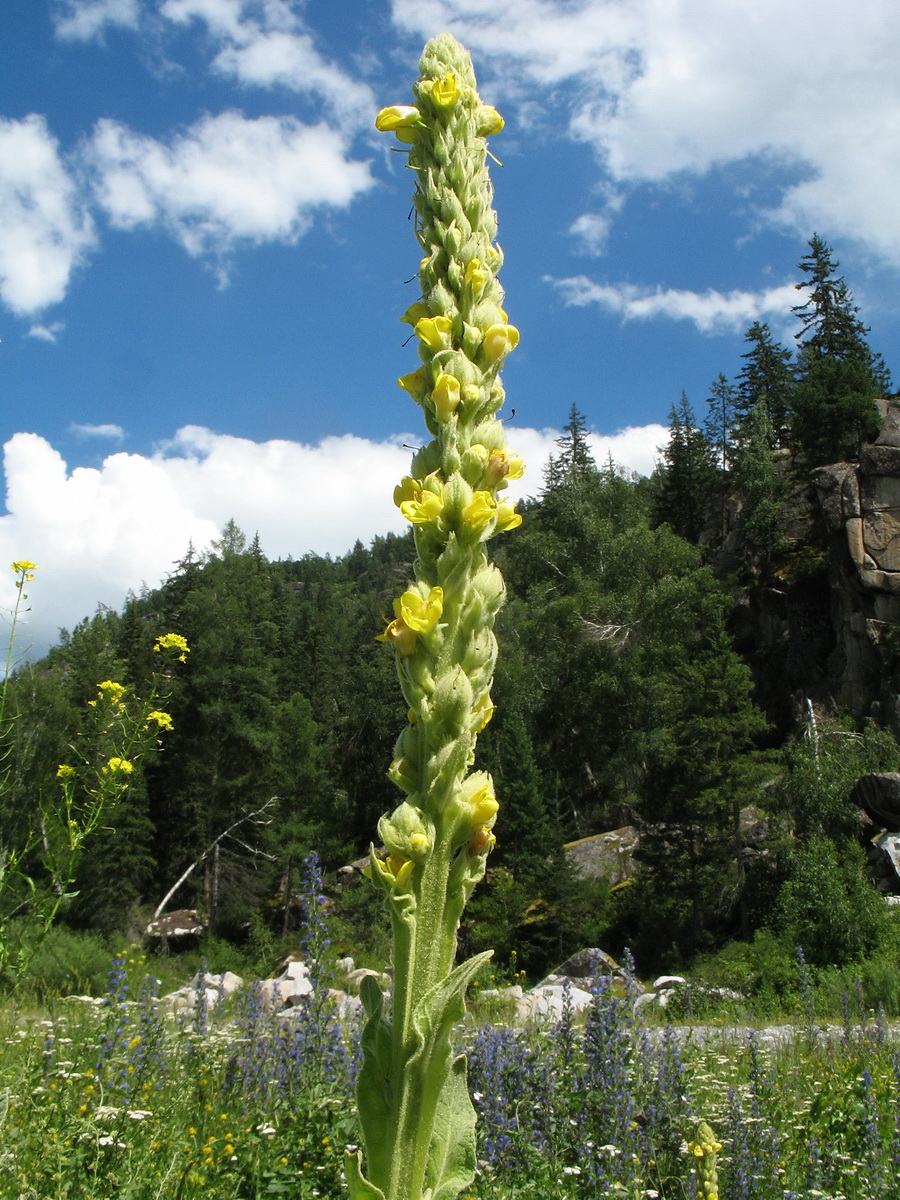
(357, 1184)
(451, 1157)
(373, 1085)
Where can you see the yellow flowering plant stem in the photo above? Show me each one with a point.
(417, 1119)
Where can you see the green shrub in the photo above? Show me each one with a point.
(68, 963)
(828, 906)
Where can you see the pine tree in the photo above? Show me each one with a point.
(839, 376)
(768, 377)
(720, 420)
(760, 484)
(687, 477)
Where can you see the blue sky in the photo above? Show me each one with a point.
(203, 245)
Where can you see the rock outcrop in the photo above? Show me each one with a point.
(860, 505)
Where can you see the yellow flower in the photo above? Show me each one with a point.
(173, 641)
(484, 806)
(24, 567)
(118, 766)
(445, 395)
(480, 510)
(400, 636)
(418, 614)
(502, 465)
(63, 771)
(499, 340)
(415, 313)
(435, 332)
(476, 275)
(507, 517)
(414, 383)
(444, 92)
(420, 501)
(115, 691)
(489, 121)
(163, 720)
(483, 712)
(397, 116)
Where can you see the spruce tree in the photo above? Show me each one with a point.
(839, 376)
(767, 377)
(720, 420)
(687, 477)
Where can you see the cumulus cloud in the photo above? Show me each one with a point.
(226, 179)
(98, 532)
(45, 232)
(665, 87)
(271, 48)
(710, 311)
(82, 20)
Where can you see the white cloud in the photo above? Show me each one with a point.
(667, 86)
(98, 532)
(116, 432)
(710, 311)
(226, 179)
(46, 333)
(82, 20)
(592, 230)
(272, 48)
(44, 230)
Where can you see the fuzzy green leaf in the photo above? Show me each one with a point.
(373, 1087)
(451, 1156)
(357, 1184)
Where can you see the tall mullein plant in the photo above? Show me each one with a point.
(417, 1120)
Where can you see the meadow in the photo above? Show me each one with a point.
(110, 1098)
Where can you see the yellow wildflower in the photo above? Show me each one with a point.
(502, 465)
(400, 636)
(173, 641)
(24, 567)
(507, 517)
(484, 805)
(435, 332)
(420, 614)
(114, 691)
(489, 121)
(499, 340)
(444, 92)
(420, 501)
(414, 383)
(397, 116)
(118, 766)
(480, 510)
(415, 313)
(64, 771)
(445, 394)
(162, 719)
(476, 275)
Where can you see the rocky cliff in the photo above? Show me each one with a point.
(819, 621)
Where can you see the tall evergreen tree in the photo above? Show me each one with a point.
(839, 376)
(720, 420)
(766, 377)
(687, 476)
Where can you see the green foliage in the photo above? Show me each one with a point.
(839, 377)
(760, 484)
(827, 905)
(687, 475)
(66, 962)
(767, 379)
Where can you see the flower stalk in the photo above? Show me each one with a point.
(417, 1120)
